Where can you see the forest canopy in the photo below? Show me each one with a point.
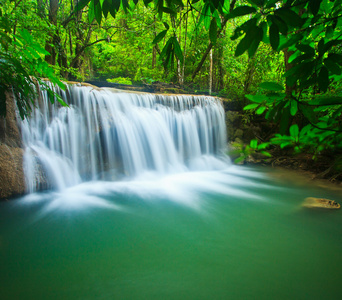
(279, 59)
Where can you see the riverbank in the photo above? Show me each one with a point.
(302, 169)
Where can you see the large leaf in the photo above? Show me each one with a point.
(213, 31)
(291, 41)
(294, 131)
(159, 37)
(305, 48)
(289, 17)
(243, 45)
(98, 12)
(91, 12)
(323, 79)
(271, 86)
(256, 98)
(250, 41)
(327, 100)
(243, 10)
(257, 38)
(314, 6)
(81, 4)
(177, 49)
(333, 67)
(282, 26)
(274, 36)
(250, 106)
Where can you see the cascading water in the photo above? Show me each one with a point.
(106, 135)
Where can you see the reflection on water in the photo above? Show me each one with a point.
(230, 234)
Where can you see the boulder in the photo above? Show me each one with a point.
(12, 179)
(312, 202)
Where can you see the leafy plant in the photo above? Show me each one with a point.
(245, 151)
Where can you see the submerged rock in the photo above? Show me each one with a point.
(312, 202)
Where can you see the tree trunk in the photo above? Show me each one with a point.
(211, 72)
(224, 22)
(49, 46)
(185, 40)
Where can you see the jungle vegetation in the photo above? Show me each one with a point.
(281, 59)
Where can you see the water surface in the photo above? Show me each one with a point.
(232, 234)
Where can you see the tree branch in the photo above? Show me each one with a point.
(210, 46)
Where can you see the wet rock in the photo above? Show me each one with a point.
(238, 134)
(12, 179)
(312, 202)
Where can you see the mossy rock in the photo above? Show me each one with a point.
(312, 202)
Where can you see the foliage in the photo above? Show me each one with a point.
(284, 55)
(245, 151)
(120, 80)
(21, 66)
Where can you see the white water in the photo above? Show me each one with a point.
(104, 135)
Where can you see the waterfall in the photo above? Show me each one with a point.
(108, 135)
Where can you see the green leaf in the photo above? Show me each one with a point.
(291, 41)
(294, 107)
(91, 12)
(332, 66)
(243, 45)
(257, 38)
(259, 3)
(266, 153)
(337, 58)
(251, 40)
(243, 10)
(167, 48)
(282, 26)
(300, 58)
(260, 110)
(98, 13)
(306, 49)
(271, 86)
(250, 106)
(294, 131)
(285, 144)
(168, 11)
(263, 146)
(159, 37)
(239, 159)
(116, 5)
(289, 17)
(323, 79)
(327, 100)
(81, 4)
(167, 26)
(314, 6)
(213, 31)
(105, 8)
(125, 5)
(177, 49)
(256, 98)
(274, 36)
(254, 144)
(309, 113)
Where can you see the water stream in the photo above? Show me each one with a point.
(146, 206)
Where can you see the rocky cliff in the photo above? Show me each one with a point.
(12, 179)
